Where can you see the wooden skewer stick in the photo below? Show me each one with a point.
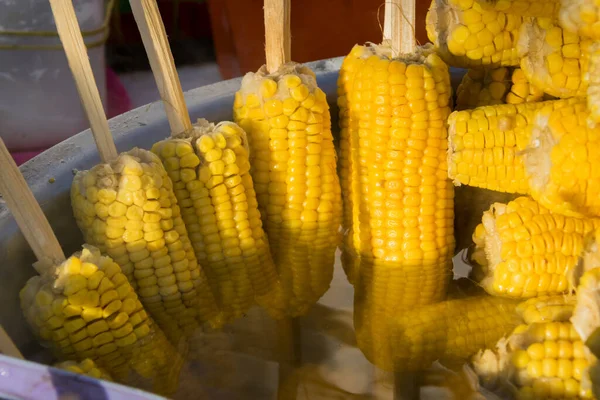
(7, 346)
(26, 211)
(70, 36)
(149, 22)
(278, 41)
(402, 14)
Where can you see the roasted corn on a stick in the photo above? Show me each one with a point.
(293, 163)
(211, 173)
(86, 308)
(127, 208)
(402, 210)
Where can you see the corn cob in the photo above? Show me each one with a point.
(496, 86)
(85, 367)
(127, 209)
(211, 175)
(293, 163)
(581, 17)
(487, 143)
(523, 250)
(554, 59)
(593, 78)
(559, 161)
(450, 330)
(476, 33)
(350, 169)
(86, 308)
(539, 361)
(405, 237)
(548, 356)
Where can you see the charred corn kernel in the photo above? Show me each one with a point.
(530, 251)
(551, 61)
(452, 329)
(400, 223)
(93, 332)
(144, 197)
(237, 274)
(495, 86)
(292, 174)
(487, 144)
(580, 17)
(85, 367)
(559, 161)
(482, 33)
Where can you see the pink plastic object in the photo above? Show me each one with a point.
(118, 102)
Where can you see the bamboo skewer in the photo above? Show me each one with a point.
(149, 22)
(402, 14)
(278, 41)
(8, 347)
(70, 36)
(27, 212)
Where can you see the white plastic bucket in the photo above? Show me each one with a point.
(39, 105)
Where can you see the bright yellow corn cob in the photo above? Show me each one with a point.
(496, 86)
(524, 250)
(85, 367)
(554, 59)
(86, 308)
(560, 161)
(539, 361)
(475, 33)
(293, 163)
(405, 222)
(581, 16)
(211, 175)
(128, 209)
(487, 143)
(350, 169)
(549, 356)
(450, 330)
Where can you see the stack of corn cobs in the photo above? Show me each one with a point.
(225, 216)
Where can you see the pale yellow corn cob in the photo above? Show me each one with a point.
(286, 117)
(211, 175)
(553, 59)
(524, 250)
(128, 209)
(482, 33)
(487, 144)
(86, 308)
